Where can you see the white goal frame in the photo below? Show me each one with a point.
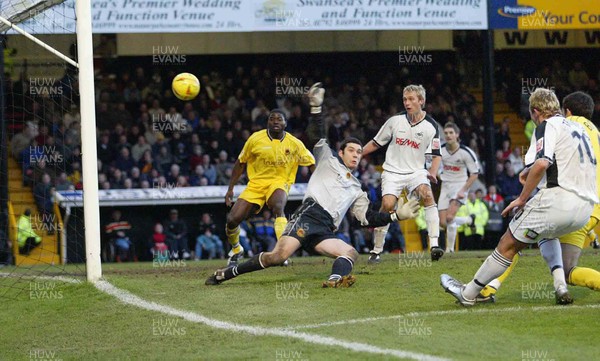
(85, 56)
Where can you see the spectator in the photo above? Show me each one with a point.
(207, 239)
(516, 159)
(210, 171)
(473, 234)
(26, 236)
(264, 231)
(118, 245)
(422, 228)
(42, 193)
(22, 140)
(495, 205)
(138, 150)
(176, 231)
(578, 77)
(509, 184)
(147, 164)
(124, 161)
(164, 160)
(63, 183)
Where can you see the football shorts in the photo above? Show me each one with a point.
(551, 213)
(395, 183)
(310, 225)
(449, 192)
(259, 193)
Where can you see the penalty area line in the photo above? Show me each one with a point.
(133, 300)
(443, 313)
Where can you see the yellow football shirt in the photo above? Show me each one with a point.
(594, 135)
(269, 160)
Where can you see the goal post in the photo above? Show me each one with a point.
(91, 208)
(15, 12)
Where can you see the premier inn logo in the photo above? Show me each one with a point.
(516, 11)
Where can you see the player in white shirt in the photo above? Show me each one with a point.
(565, 172)
(459, 170)
(411, 135)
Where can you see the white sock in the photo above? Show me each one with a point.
(495, 284)
(432, 218)
(493, 267)
(451, 230)
(559, 278)
(379, 238)
(552, 253)
(462, 220)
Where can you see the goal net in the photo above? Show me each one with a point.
(41, 147)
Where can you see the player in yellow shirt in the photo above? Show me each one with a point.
(577, 107)
(271, 158)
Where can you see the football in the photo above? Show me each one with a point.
(185, 86)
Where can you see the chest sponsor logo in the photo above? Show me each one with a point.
(408, 143)
(452, 168)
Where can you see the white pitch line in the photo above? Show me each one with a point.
(442, 313)
(131, 299)
(32, 277)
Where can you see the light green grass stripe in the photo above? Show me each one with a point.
(461, 311)
(131, 299)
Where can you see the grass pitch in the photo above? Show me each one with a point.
(396, 305)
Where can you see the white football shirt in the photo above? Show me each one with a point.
(408, 143)
(457, 166)
(568, 148)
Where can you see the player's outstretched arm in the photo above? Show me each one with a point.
(370, 148)
(236, 173)
(315, 97)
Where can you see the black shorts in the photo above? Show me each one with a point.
(310, 224)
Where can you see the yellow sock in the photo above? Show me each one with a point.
(233, 236)
(280, 224)
(492, 288)
(585, 277)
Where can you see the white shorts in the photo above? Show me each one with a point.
(394, 183)
(449, 192)
(551, 213)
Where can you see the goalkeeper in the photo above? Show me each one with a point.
(332, 191)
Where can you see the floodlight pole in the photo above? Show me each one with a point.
(91, 209)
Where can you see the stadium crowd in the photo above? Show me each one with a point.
(147, 138)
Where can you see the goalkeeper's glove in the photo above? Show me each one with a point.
(407, 210)
(315, 96)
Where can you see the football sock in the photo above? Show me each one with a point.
(552, 253)
(342, 266)
(585, 277)
(280, 224)
(233, 236)
(494, 286)
(494, 266)
(432, 218)
(379, 238)
(451, 230)
(462, 220)
(251, 265)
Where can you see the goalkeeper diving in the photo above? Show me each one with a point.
(331, 192)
